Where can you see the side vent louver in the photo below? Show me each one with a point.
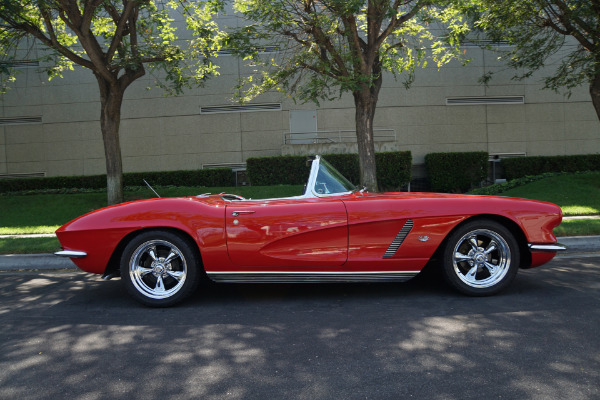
(20, 64)
(241, 108)
(20, 120)
(399, 239)
(474, 101)
(20, 175)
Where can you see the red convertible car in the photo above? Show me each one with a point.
(332, 233)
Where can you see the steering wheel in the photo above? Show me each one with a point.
(322, 189)
(232, 197)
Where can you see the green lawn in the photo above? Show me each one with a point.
(576, 194)
(578, 227)
(29, 245)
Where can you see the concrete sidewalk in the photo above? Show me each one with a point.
(29, 262)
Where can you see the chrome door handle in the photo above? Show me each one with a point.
(237, 213)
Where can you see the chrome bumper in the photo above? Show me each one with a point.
(71, 254)
(547, 248)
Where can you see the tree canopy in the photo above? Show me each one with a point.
(565, 33)
(325, 48)
(116, 40)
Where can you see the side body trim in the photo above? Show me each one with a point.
(297, 277)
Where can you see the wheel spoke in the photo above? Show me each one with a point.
(460, 257)
(143, 271)
(176, 274)
(152, 253)
(491, 247)
(471, 275)
(473, 242)
(160, 286)
(172, 255)
(491, 267)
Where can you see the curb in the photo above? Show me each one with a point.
(29, 262)
(24, 262)
(575, 244)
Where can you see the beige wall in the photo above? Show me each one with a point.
(170, 133)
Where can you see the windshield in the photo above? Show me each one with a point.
(329, 180)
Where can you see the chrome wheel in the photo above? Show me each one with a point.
(481, 258)
(158, 269)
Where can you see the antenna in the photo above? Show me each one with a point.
(147, 184)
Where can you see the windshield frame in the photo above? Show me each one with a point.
(317, 164)
(321, 169)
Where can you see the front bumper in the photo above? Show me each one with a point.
(71, 254)
(547, 248)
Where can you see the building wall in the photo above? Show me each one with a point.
(171, 133)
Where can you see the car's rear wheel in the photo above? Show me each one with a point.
(159, 268)
(481, 258)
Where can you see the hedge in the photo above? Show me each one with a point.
(393, 169)
(278, 170)
(456, 172)
(519, 167)
(202, 177)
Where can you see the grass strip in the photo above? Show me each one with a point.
(576, 194)
(578, 227)
(29, 245)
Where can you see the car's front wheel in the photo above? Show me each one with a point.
(481, 258)
(159, 268)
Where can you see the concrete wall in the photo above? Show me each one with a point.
(170, 133)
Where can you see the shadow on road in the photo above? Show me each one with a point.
(71, 335)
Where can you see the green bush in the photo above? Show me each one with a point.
(202, 177)
(456, 172)
(278, 170)
(393, 169)
(499, 188)
(519, 167)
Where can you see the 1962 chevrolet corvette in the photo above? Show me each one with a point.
(332, 233)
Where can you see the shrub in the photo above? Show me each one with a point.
(519, 167)
(393, 169)
(203, 177)
(278, 170)
(456, 172)
(499, 188)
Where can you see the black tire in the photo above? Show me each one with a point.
(160, 268)
(480, 258)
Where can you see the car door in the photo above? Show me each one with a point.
(287, 233)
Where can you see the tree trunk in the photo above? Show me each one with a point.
(365, 103)
(111, 98)
(595, 93)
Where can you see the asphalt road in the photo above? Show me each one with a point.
(70, 335)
